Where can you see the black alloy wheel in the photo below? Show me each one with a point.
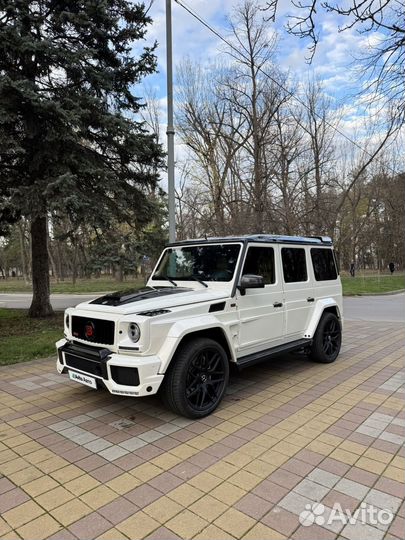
(331, 337)
(196, 379)
(327, 339)
(205, 379)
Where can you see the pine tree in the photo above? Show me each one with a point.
(70, 141)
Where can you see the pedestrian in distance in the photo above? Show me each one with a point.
(352, 269)
(391, 266)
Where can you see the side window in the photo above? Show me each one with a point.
(324, 264)
(260, 261)
(294, 264)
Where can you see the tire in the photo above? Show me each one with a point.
(327, 339)
(189, 387)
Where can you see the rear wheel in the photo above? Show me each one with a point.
(197, 377)
(327, 339)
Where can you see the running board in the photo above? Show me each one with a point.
(255, 358)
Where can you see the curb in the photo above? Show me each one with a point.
(388, 293)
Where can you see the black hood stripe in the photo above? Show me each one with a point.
(128, 296)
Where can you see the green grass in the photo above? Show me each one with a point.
(82, 286)
(361, 284)
(372, 284)
(22, 338)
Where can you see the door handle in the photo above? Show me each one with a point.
(309, 299)
(277, 304)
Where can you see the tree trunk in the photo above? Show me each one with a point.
(74, 263)
(61, 271)
(53, 265)
(119, 273)
(40, 306)
(22, 251)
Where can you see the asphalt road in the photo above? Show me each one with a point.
(58, 301)
(385, 308)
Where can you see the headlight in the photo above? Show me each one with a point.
(134, 332)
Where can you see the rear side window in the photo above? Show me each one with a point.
(294, 264)
(260, 261)
(324, 264)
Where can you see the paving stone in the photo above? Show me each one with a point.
(253, 506)
(392, 437)
(133, 444)
(90, 526)
(353, 489)
(382, 500)
(294, 502)
(11, 499)
(151, 436)
(113, 453)
(230, 475)
(97, 445)
(368, 430)
(322, 477)
(362, 531)
(61, 426)
(311, 490)
(281, 520)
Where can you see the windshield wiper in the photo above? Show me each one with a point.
(168, 279)
(193, 276)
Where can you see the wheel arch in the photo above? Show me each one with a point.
(215, 333)
(185, 332)
(326, 305)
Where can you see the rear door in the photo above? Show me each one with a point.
(261, 311)
(298, 290)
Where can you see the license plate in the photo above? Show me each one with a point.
(83, 379)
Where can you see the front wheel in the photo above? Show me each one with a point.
(196, 379)
(327, 339)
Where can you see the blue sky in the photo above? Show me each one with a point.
(334, 61)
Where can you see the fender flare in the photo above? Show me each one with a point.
(183, 328)
(320, 307)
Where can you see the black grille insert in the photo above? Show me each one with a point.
(93, 330)
(125, 375)
(83, 364)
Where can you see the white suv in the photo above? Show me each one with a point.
(208, 303)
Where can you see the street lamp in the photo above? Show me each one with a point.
(170, 126)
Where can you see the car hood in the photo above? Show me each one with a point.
(138, 301)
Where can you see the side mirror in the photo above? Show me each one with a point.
(250, 281)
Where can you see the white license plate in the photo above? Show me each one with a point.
(83, 379)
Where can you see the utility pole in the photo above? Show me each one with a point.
(170, 126)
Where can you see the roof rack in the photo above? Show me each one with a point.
(323, 239)
(271, 238)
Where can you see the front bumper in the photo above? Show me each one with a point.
(120, 374)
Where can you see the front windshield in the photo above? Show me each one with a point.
(208, 263)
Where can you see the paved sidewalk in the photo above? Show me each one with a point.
(75, 463)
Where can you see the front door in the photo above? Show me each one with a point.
(261, 311)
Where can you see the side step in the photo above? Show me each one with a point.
(255, 358)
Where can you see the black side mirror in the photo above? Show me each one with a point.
(250, 281)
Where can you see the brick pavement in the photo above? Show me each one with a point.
(75, 463)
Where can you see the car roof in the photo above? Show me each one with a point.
(260, 238)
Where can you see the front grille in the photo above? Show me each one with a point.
(83, 364)
(93, 330)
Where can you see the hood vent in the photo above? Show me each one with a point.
(217, 307)
(154, 312)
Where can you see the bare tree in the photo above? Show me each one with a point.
(254, 97)
(212, 131)
(384, 61)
